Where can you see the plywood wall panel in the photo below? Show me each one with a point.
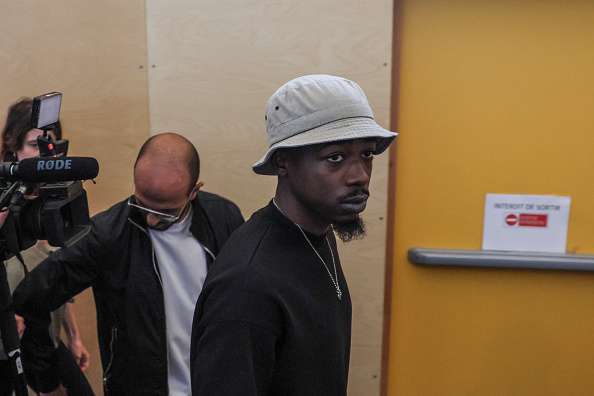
(95, 54)
(213, 66)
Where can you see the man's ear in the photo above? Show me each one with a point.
(280, 159)
(195, 190)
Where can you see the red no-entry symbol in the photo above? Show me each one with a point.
(511, 220)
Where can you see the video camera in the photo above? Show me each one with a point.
(44, 194)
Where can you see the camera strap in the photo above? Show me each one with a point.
(11, 241)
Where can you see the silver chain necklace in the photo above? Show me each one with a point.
(333, 279)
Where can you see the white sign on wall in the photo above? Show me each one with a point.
(534, 223)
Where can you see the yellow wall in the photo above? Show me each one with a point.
(494, 97)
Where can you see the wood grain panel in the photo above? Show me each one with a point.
(95, 54)
(213, 66)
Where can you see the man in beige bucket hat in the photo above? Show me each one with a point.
(274, 316)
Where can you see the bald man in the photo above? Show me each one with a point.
(146, 259)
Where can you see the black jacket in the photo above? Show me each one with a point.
(117, 259)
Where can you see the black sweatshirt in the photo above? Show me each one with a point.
(268, 320)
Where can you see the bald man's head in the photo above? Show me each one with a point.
(173, 152)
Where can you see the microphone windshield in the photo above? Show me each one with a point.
(56, 169)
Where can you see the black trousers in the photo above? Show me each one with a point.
(71, 376)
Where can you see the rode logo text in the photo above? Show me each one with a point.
(54, 164)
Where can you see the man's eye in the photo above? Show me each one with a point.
(335, 158)
(368, 154)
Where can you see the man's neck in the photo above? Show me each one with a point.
(298, 214)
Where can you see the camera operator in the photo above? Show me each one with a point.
(146, 259)
(19, 142)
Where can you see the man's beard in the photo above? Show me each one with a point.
(350, 229)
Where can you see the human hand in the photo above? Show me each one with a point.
(60, 391)
(20, 322)
(80, 353)
(3, 216)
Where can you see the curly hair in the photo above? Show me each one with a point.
(18, 124)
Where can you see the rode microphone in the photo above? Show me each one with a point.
(50, 169)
